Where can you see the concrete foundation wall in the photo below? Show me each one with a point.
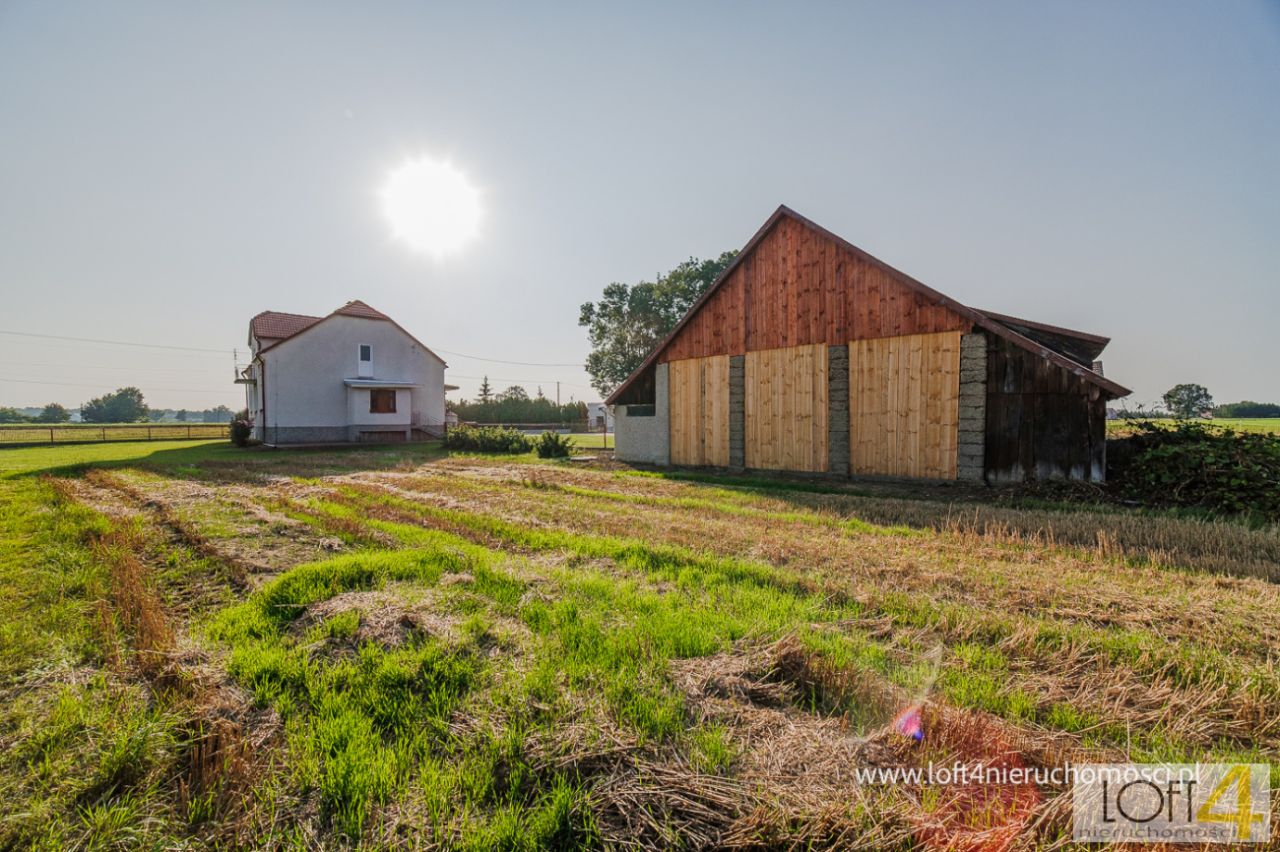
(646, 438)
(838, 410)
(306, 434)
(971, 463)
(737, 412)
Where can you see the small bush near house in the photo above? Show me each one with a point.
(241, 429)
(552, 445)
(1196, 465)
(487, 439)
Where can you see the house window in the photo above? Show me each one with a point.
(382, 401)
(366, 352)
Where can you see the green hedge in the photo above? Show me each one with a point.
(487, 439)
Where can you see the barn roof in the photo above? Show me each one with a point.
(1005, 327)
(287, 326)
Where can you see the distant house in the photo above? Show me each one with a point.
(599, 416)
(808, 354)
(354, 375)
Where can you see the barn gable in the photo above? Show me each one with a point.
(808, 354)
(795, 283)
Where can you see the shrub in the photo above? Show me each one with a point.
(1202, 466)
(241, 431)
(552, 445)
(487, 439)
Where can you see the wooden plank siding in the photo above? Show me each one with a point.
(785, 408)
(699, 411)
(904, 405)
(798, 288)
(1042, 421)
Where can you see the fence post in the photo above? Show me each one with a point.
(104, 433)
(148, 433)
(50, 434)
(188, 433)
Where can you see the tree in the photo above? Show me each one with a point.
(126, 405)
(181, 416)
(486, 392)
(630, 320)
(515, 393)
(53, 413)
(1187, 400)
(13, 415)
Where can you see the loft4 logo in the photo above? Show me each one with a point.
(1172, 803)
(1244, 817)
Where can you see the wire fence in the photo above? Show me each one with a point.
(24, 434)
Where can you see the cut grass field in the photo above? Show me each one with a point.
(1241, 424)
(392, 646)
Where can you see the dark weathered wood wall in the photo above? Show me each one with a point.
(1043, 422)
(799, 288)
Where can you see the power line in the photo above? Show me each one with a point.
(501, 361)
(184, 370)
(115, 342)
(99, 385)
(517, 381)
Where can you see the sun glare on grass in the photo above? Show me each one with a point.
(431, 206)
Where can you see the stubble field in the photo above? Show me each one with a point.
(399, 648)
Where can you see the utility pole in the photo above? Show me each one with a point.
(557, 394)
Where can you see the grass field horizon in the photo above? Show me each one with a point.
(398, 646)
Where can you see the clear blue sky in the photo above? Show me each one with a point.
(169, 169)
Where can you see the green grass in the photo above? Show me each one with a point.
(1242, 424)
(489, 655)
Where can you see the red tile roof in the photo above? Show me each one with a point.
(279, 327)
(358, 308)
(275, 325)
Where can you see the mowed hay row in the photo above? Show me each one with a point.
(646, 770)
(1218, 546)
(1222, 547)
(1008, 577)
(1240, 696)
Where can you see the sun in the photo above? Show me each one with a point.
(431, 206)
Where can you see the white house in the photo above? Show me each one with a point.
(354, 375)
(599, 416)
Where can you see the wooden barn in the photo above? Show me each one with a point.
(810, 355)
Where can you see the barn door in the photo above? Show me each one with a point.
(698, 391)
(904, 405)
(785, 408)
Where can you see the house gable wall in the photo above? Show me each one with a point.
(305, 373)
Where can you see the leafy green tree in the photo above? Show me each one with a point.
(630, 320)
(53, 413)
(486, 392)
(515, 393)
(181, 416)
(126, 405)
(13, 415)
(1188, 400)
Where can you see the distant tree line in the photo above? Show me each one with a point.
(1189, 401)
(514, 405)
(125, 405)
(1248, 408)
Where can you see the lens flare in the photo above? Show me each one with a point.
(431, 206)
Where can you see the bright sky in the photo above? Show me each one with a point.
(169, 169)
